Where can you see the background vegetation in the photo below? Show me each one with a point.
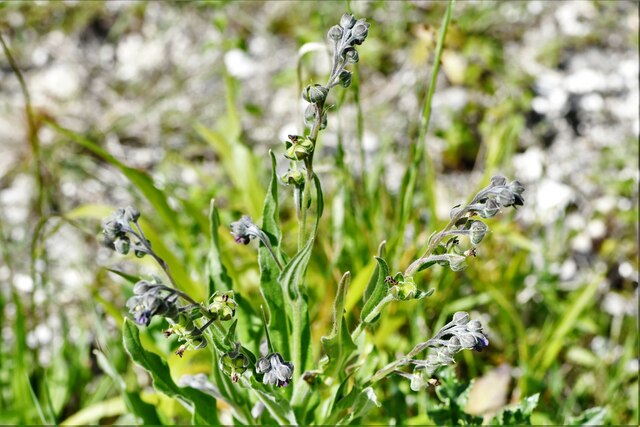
(167, 105)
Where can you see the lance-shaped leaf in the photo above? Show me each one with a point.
(374, 276)
(201, 405)
(145, 411)
(270, 287)
(218, 278)
(338, 345)
(380, 291)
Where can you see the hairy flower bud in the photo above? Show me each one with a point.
(360, 31)
(461, 318)
(347, 21)
(497, 181)
(490, 209)
(351, 56)
(315, 94)
(345, 78)
(293, 178)
(131, 214)
(122, 245)
(477, 231)
(335, 33)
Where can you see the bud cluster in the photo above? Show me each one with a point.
(486, 204)
(118, 232)
(152, 298)
(459, 334)
(497, 194)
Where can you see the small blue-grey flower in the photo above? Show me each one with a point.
(244, 230)
(275, 370)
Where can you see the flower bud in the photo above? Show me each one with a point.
(505, 197)
(315, 94)
(497, 181)
(131, 214)
(461, 318)
(351, 56)
(490, 209)
(345, 78)
(141, 287)
(360, 31)
(309, 115)
(474, 326)
(454, 344)
(122, 245)
(223, 305)
(477, 232)
(456, 262)
(467, 341)
(293, 178)
(347, 21)
(335, 32)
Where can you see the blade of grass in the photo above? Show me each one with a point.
(418, 148)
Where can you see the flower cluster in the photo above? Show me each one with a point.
(152, 298)
(118, 232)
(345, 36)
(275, 370)
(444, 247)
(459, 334)
(497, 194)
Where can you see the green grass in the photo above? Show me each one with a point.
(549, 340)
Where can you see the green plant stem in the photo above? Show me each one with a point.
(400, 362)
(376, 311)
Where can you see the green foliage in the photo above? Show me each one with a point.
(202, 405)
(345, 333)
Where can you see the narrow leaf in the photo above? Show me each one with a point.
(270, 287)
(218, 278)
(203, 406)
(374, 277)
(380, 290)
(338, 345)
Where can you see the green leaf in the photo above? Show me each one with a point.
(319, 203)
(218, 278)
(203, 406)
(379, 292)
(374, 277)
(338, 345)
(591, 417)
(270, 287)
(518, 415)
(145, 411)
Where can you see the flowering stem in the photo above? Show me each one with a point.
(400, 362)
(434, 242)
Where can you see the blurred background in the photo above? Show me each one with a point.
(167, 105)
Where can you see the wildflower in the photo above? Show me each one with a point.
(275, 370)
(151, 299)
(244, 230)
